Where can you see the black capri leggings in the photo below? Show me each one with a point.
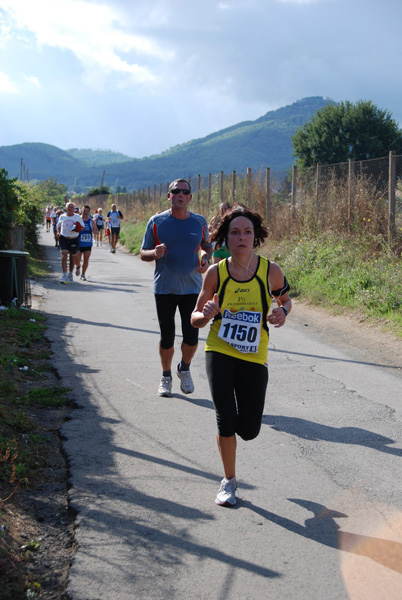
(166, 305)
(238, 390)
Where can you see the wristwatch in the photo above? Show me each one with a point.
(284, 310)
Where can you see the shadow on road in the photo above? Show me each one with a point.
(308, 430)
(323, 529)
(336, 359)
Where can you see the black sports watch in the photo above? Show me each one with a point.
(284, 310)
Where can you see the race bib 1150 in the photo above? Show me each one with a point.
(242, 330)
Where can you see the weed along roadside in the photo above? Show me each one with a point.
(36, 524)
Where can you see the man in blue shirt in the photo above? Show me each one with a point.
(176, 240)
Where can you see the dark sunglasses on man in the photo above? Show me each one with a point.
(179, 191)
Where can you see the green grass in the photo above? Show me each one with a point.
(131, 236)
(38, 267)
(345, 273)
(54, 396)
(24, 442)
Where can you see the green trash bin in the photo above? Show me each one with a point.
(14, 280)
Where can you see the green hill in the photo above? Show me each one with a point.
(95, 158)
(265, 142)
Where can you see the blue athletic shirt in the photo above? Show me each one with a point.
(176, 271)
(85, 237)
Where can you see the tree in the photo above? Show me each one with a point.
(20, 205)
(338, 132)
(52, 193)
(102, 190)
(8, 208)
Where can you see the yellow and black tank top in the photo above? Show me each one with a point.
(241, 330)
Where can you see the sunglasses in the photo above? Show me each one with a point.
(179, 191)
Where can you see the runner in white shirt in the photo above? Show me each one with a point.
(115, 217)
(68, 227)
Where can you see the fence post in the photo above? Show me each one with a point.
(294, 190)
(209, 189)
(351, 192)
(248, 183)
(221, 186)
(233, 186)
(268, 193)
(391, 196)
(317, 187)
(160, 196)
(198, 191)
(154, 199)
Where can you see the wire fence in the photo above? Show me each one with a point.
(355, 196)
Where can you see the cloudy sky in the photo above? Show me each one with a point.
(140, 76)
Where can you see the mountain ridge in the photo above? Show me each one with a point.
(264, 142)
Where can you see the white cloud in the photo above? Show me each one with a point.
(6, 85)
(94, 33)
(34, 80)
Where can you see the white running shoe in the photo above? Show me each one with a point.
(165, 387)
(64, 278)
(227, 492)
(83, 278)
(78, 270)
(186, 381)
(70, 277)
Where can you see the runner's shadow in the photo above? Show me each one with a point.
(323, 529)
(336, 359)
(309, 430)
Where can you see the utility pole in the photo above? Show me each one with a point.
(103, 176)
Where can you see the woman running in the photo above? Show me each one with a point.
(236, 295)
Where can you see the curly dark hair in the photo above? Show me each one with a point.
(220, 235)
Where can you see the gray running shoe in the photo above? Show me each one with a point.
(83, 278)
(70, 277)
(227, 492)
(186, 381)
(78, 270)
(64, 278)
(165, 387)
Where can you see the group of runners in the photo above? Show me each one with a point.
(239, 295)
(76, 231)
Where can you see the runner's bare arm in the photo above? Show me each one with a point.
(207, 305)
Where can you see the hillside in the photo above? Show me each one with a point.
(95, 158)
(265, 142)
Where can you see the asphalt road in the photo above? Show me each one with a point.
(320, 511)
